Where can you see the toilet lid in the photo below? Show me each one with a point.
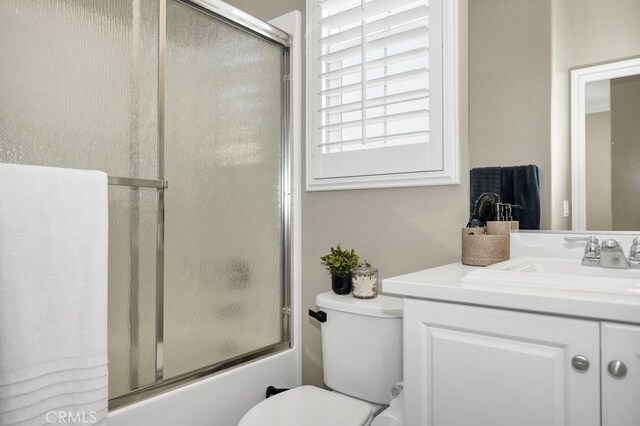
(309, 406)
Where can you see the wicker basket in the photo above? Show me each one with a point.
(486, 246)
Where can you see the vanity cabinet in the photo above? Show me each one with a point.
(474, 366)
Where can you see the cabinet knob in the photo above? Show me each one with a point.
(617, 369)
(580, 362)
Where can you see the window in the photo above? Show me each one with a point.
(381, 93)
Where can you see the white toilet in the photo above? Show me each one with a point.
(362, 361)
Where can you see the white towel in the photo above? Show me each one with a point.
(53, 295)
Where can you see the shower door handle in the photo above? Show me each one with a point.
(321, 316)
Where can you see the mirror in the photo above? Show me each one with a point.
(524, 109)
(605, 146)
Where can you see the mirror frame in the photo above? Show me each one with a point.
(579, 79)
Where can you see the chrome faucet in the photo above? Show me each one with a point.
(634, 254)
(612, 255)
(591, 251)
(609, 254)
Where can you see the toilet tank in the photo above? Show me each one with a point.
(362, 345)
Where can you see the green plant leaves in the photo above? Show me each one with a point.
(339, 262)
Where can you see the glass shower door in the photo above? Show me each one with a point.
(79, 89)
(163, 90)
(224, 223)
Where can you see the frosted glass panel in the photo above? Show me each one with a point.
(78, 88)
(132, 283)
(223, 236)
(79, 84)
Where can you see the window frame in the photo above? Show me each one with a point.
(448, 111)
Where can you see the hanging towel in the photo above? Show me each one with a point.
(53, 295)
(521, 185)
(515, 185)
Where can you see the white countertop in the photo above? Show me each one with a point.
(444, 284)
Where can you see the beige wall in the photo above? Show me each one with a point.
(598, 163)
(510, 87)
(625, 134)
(398, 230)
(602, 30)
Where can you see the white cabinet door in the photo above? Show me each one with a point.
(621, 385)
(471, 366)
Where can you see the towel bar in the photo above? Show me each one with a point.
(141, 183)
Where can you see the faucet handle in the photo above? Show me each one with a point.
(591, 251)
(590, 239)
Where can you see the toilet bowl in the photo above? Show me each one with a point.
(362, 362)
(309, 406)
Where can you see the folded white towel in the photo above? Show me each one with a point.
(53, 294)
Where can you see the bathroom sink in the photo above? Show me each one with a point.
(555, 274)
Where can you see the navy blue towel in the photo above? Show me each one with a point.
(515, 185)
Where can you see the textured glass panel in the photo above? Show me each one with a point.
(223, 216)
(78, 83)
(132, 283)
(78, 88)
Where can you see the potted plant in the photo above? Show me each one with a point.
(339, 264)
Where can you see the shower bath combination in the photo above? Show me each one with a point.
(185, 105)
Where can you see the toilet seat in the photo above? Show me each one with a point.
(308, 406)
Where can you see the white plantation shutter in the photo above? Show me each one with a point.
(375, 76)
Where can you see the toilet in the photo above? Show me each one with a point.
(362, 362)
